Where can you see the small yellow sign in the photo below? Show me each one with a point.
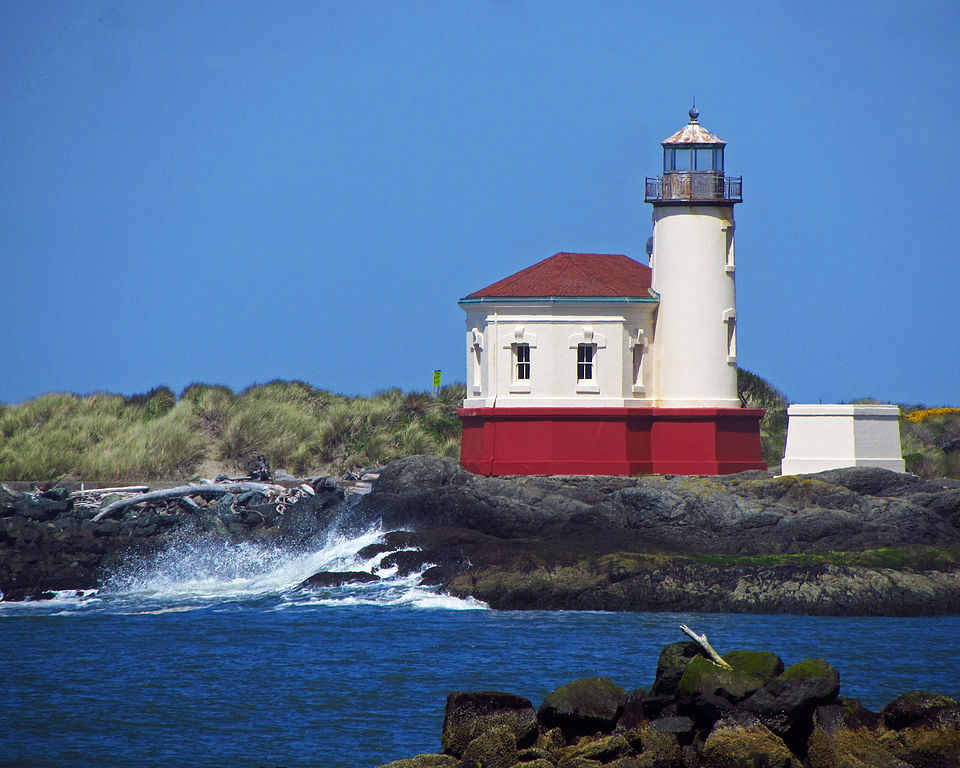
(436, 378)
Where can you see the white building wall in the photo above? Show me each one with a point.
(693, 271)
(553, 330)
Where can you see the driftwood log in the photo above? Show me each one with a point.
(268, 490)
(701, 640)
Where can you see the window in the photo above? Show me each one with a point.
(522, 357)
(585, 362)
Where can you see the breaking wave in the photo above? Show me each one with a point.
(199, 572)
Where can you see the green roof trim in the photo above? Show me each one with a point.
(654, 298)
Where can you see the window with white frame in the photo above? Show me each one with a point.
(585, 353)
(521, 357)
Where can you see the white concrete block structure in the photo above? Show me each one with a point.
(821, 437)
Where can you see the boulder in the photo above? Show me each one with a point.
(933, 742)
(785, 705)
(469, 715)
(764, 664)
(336, 578)
(671, 664)
(605, 749)
(494, 748)
(424, 760)
(583, 707)
(633, 712)
(913, 706)
(704, 677)
(844, 737)
(660, 749)
(742, 741)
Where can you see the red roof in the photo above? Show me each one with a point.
(574, 274)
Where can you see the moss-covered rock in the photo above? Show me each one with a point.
(583, 707)
(660, 749)
(933, 742)
(703, 676)
(424, 760)
(494, 748)
(605, 749)
(785, 705)
(470, 714)
(913, 706)
(742, 741)
(763, 664)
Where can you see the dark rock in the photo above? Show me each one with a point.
(258, 468)
(951, 445)
(846, 714)
(671, 665)
(785, 705)
(583, 707)
(914, 706)
(933, 742)
(336, 578)
(633, 713)
(742, 741)
(469, 715)
(681, 727)
(844, 735)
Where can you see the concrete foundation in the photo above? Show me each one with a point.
(821, 437)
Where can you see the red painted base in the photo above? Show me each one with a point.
(610, 441)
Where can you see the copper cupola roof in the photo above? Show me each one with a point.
(693, 133)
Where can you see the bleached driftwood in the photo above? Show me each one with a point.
(701, 640)
(184, 491)
(106, 491)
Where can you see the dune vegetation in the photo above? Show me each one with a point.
(209, 429)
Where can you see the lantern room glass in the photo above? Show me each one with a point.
(692, 159)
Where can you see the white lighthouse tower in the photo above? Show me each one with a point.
(593, 363)
(695, 343)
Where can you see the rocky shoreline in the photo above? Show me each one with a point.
(754, 714)
(846, 542)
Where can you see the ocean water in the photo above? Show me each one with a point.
(210, 655)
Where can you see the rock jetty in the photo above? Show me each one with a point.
(758, 714)
(845, 542)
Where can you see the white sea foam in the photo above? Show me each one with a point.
(201, 572)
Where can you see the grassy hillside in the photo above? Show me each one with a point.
(210, 429)
(305, 431)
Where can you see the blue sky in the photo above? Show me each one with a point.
(237, 192)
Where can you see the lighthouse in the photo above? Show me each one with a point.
(693, 269)
(591, 363)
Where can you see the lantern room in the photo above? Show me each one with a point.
(693, 168)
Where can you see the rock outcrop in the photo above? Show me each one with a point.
(698, 715)
(844, 542)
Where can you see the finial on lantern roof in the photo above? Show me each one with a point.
(694, 112)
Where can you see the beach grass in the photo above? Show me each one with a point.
(210, 429)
